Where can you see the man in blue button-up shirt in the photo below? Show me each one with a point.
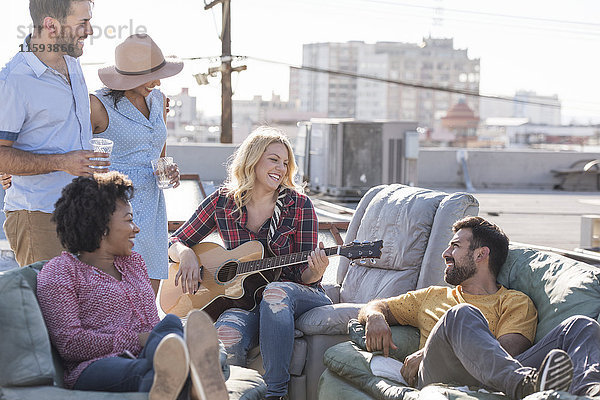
(45, 124)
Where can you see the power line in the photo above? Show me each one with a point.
(403, 83)
(390, 81)
(525, 24)
(526, 18)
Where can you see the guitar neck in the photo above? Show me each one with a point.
(281, 261)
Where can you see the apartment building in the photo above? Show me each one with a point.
(434, 62)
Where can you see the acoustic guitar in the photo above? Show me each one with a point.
(236, 278)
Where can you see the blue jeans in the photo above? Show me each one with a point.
(461, 349)
(120, 374)
(271, 324)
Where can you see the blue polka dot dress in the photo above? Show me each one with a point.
(138, 141)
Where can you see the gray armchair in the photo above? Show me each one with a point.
(415, 225)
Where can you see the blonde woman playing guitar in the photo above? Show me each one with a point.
(260, 202)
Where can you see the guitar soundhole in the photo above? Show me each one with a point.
(227, 272)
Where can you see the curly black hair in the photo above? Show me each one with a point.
(84, 209)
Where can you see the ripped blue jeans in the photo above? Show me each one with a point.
(272, 326)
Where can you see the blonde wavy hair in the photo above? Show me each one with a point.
(240, 171)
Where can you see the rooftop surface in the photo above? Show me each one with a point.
(543, 218)
(551, 219)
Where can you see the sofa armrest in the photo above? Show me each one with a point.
(56, 393)
(405, 337)
(328, 320)
(25, 358)
(332, 386)
(332, 291)
(452, 208)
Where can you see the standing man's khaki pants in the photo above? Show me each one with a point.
(32, 236)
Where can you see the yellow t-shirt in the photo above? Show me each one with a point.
(507, 311)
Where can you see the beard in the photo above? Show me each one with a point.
(461, 270)
(69, 41)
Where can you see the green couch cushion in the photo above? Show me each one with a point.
(351, 363)
(25, 355)
(334, 387)
(558, 286)
(406, 338)
(348, 369)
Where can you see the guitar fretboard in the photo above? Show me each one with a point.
(280, 261)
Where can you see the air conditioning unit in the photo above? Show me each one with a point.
(345, 157)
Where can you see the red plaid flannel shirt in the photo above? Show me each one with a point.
(297, 230)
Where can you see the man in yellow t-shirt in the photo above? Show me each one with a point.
(477, 333)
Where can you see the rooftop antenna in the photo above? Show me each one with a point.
(437, 20)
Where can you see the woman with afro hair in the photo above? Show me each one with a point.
(100, 308)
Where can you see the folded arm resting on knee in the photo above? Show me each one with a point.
(376, 316)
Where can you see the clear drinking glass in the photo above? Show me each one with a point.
(101, 145)
(160, 166)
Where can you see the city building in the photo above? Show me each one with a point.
(538, 109)
(248, 114)
(434, 62)
(186, 124)
(182, 111)
(461, 121)
(520, 132)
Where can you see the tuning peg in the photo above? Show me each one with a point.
(362, 262)
(373, 261)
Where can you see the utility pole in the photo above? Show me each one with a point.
(226, 70)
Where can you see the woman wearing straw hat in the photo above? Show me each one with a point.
(131, 112)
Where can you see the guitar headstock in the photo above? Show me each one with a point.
(356, 250)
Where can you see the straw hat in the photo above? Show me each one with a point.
(137, 60)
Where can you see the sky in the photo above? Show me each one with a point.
(547, 46)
